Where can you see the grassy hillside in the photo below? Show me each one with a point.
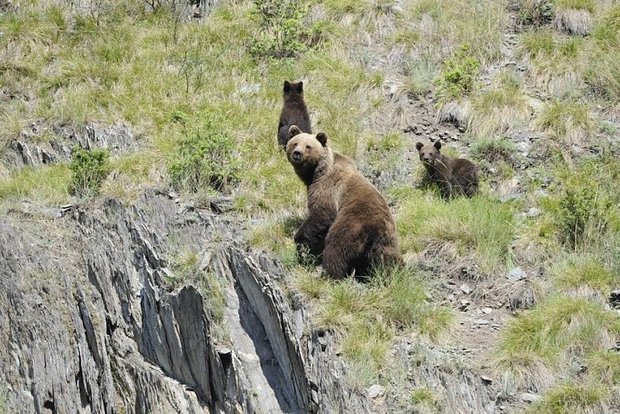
(528, 89)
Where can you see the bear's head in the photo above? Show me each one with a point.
(293, 89)
(306, 151)
(429, 153)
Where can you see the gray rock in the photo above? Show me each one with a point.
(89, 324)
(375, 391)
(465, 288)
(533, 212)
(516, 274)
(529, 397)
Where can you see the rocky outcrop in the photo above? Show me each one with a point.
(91, 326)
(41, 144)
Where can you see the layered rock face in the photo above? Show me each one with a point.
(89, 323)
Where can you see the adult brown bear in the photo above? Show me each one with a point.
(455, 176)
(349, 223)
(294, 111)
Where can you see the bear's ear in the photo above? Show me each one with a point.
(293, 130)
(300, 86)
(438, 145)
(287, 86)
(322, 138)
(419, 146)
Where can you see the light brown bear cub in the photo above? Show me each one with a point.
(349, 223)
(294, 111)
(455, 176)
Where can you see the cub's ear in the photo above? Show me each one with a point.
(438, 145)
(419, 146)
(287, 86)
(300, 86)
(322, 138)
(293, 130)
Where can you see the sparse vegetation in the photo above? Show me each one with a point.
(204, 98)
(205, 158)
(283, 29)
(479, 226)
(88, 170)
(457, 78)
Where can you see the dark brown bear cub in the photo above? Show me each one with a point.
(349, 223)
(455, 176)
(294, 111)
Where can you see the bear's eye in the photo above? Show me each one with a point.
(307, 146)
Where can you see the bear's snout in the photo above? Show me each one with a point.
(296, 155)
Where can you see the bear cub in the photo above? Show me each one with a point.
(455, 176)
(294, 111)
(349, 224)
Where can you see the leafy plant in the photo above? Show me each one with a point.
(458, 75)
(284, 31)
(535, 12)
(88, 170)
(205, 157)
(583, 208)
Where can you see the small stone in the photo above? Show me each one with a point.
(529, 397)
(481, 322)
(464, 305)
(516, 274)
(375, 391)
(465, 288)
(533, 212)
(486, 380)
(614, 298)
(487, 310)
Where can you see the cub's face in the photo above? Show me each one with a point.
(429, 153)
(305, 150)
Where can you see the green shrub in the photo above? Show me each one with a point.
(284, 31)
(458, 75)
(88, 170)
(494, 150)
(535, 12)
(205, 157)
(584, 206)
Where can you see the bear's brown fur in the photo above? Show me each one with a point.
(455, 176)
(349, 222)
(294, 111)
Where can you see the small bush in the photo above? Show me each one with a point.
(89, 168)
(535, 12)
(494, 150)
(458, 75)
(205, 158)
(584, 207)
(284, 31)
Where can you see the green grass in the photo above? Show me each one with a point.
(45, 185)
(480, 227)
(588, 5)
(570, 398)
(500, 108)
(583, 271)
(557, 329)
(566, 118)
(369, 316)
